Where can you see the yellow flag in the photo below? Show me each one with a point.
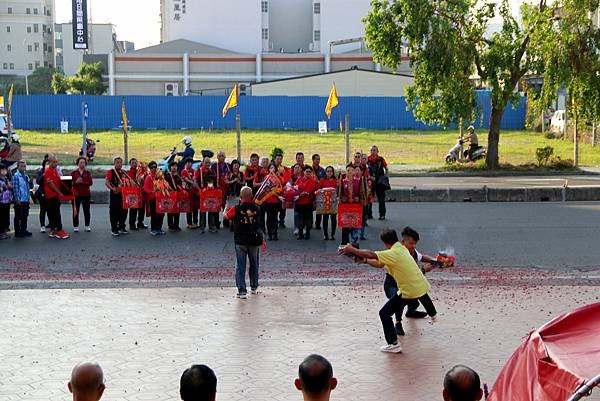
(124, 116)
(332, 101)
(231, 100)
(10, 95)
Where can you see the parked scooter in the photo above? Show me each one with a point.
(90, 149)
(453, 154)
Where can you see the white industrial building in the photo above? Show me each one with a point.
(26, 36)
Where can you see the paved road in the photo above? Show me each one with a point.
(513, 237)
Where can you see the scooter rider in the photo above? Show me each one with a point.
(188, 152)
(473, 142)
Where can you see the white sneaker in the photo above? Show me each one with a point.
(88, 229)
(75, 229)
(42, 229)
(432, 319)
(242, 295)
(254, 291)
(391, 348)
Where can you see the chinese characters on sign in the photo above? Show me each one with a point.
(178, 9)
(80, 25)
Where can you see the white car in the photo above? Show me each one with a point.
(558, 120)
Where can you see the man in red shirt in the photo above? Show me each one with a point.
(307, 185)
(136, 216)
(252, 171)
(286, 175)
(52, 185)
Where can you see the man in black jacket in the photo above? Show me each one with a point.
(247, 238)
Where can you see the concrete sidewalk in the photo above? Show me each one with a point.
(145, 338)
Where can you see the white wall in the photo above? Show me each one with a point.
(341, 19)
(232, 24)
(290, 24)
(101, 42)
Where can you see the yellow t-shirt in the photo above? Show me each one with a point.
(409, 278)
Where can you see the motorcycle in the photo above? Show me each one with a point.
(90, 149)
(453, 154)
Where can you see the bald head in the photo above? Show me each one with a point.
(315, 377)
(246, 194)
(87, 382)
(462, 383)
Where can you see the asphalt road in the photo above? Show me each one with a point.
(524, 237)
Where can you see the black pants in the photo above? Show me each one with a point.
(395, 305)
(173, 221)
(5, 217)
(192, 218)
(346, 235)
(21, 214)
(282, 216)
(117, 214)
(272, 210)
(156, 219)
(390, 288)
(42, 202)
(53, 211)
(326, 219)
(213, 220)
(305, 219)
(380, 193)
(262, 218)
(79, 201)
(318, 219)
(136, 216)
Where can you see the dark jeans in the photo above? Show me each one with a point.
(272, 209)
(395, 305)
(136, 216)
(318, 219)
(5, 217)
(390, 288)
(79, 201)
(346, 235)
(305, 218)
(53, 211)
(326, 219)
(192, 218)
(156, 219)
(21, 214)
(43, 211)
(380, 193)
(282, 216)
(213, 220)
(173, 220)
(117, 214)
(241, 253)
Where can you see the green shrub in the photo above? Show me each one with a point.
(276, 151)
(543, 155)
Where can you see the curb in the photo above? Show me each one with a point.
(482, 194)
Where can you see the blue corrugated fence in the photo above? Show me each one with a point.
(257, 112)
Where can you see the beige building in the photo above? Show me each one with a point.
(353, 82)
(182, 67)
(26, 36)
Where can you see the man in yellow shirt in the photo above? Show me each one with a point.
(412, 284)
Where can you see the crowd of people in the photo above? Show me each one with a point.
(276, 187)
(315, 381)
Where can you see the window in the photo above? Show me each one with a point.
(10, 12)
(5, 66)
(58, 35)
(35, 11)
(29, 48)
(37, 65)
(28, 29)
(8, 48)
(45, 64)
(45, 47)
(49, 49)
(265, 33)
(317, 35)
(12, 66)
(8, 29)
(264, 6)
(30, 66)
(36, 46)
(28, 10)
(50, 65)
(36, 28)
(317, 8)
(49, 30)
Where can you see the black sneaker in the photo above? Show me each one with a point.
(281, 224)
(123, 231)
(416, 314)
(399, 329)
(115, 233)
(133, 228)
(142, 226)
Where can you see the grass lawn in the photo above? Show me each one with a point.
(398, 147)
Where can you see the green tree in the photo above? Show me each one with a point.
(568, 53)
(87, 80)
(447, 42)
(40, 81)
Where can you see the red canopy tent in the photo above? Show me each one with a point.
(554, 361)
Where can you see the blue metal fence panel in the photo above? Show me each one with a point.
(257, 112)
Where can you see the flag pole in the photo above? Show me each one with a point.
(238, 127)
(125, 131)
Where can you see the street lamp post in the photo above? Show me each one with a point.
(26, 66)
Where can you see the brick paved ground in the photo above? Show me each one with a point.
(144, 338)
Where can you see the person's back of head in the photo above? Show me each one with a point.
(198, 383)
(315, 378)
(462, 383)
(87, 382)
